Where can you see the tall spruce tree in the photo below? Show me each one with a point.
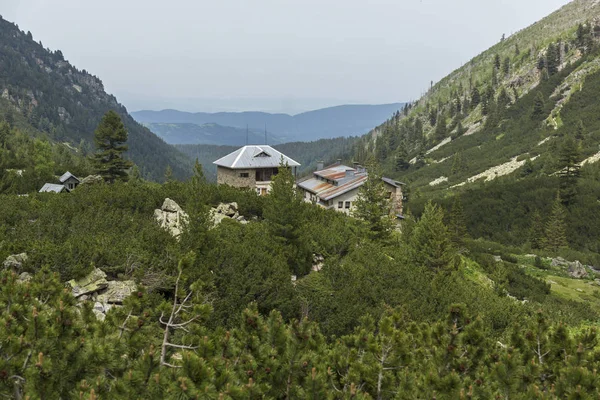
(456, 223)
(538, 106)
(430, 241)
(556, 231)
(110, 137)
(568, 158)
(373, 206)
(537, 231)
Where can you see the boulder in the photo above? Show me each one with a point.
(577, 270)
(497, 259)
(116, 292)
(100, 316)
(171, 217)
(25, 277)
(93, 282)
(15, 261)
(216, 217)
(228, 209)
(91, 180)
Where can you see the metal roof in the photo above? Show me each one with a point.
(66, 176)
(392, 182)
(52, 188)
(255, 157)
(333, 181)
(328, 191)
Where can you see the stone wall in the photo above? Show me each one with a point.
(396, 198)
(231, 177)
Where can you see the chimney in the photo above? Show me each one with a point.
(355, 165)
(349, 173)
(339, 161)
(320, 165)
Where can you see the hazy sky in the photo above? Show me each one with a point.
(275, 55)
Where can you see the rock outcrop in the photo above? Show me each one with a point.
(15, 261)
(91, 180)
(575, 268)
(92, 283)
(171, 217)
(104, 293)
(226, 211)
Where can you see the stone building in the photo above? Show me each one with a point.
(336, 187)
(252, 167)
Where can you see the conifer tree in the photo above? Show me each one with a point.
(537, 231)
(373, 206)
(580, 131)
(456, 224)
(568, 158)
(440, 129)
(430, 241)
(538, 106)
(497, 61)
(283, 211)
(506, 66)
(556, 233)
(475, 97)
(110, 136)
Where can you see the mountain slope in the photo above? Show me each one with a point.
(209, 133)
(500, 124)
(345, 120)
(67, 104)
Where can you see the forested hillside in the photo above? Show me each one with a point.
(507, 132)
(66, 104)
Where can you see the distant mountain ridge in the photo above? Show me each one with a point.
(209, 134)
(331, 122)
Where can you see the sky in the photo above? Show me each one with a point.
(270, 55)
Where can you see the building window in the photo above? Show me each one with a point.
(244, 174)
(347, 205)
(340, 204)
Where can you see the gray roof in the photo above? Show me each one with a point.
(52, 188)
(262, 156)
(66, 176)
(392, 182)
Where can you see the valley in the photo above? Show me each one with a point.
(443, 248)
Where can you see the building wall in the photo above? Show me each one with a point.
(396, 198)
(231, 177)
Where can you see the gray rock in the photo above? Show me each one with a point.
(229, 209)
(93, 282)
(116, 292)
(170, 206)
(497, 258)
(25, 277)
(15, 261)
(577, 270)
(171, 217)
(559, 262)
(99, 314)
(91, 180)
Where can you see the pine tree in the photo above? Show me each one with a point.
(373, 206)
(440, 129)
(168, 174)
(110, 136)
(580, 131)
(537, 231)
(527, 168)
(568, 158)
(556, 231)
(456, 224)
(538, 106)
(430, 241)
(506, 66)
(497, 61)
(475, 97)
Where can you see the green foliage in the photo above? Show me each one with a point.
(556, 232)
(109, 138)
(373, 206)
(431, 242)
